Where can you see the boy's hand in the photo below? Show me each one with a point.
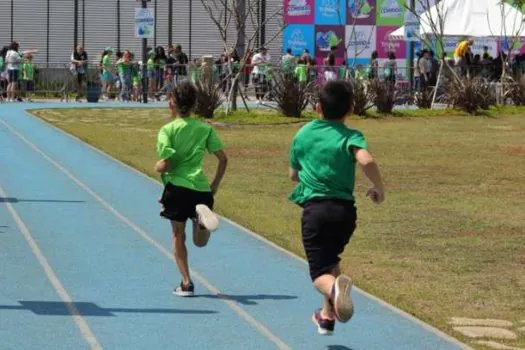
(162, 166)
(377, 195)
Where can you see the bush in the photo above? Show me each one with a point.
(291, 96)
(209, 99)
(423, 98)
(515, 90)
(384, 95)
(363, 97)
(469, 94)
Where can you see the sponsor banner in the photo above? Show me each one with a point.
(299, 11)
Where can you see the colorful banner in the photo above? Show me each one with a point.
(299, 37)
(390, 12)
(385, 44)
(299, 11)
(361, 12)
(330, 12)
(327, 37)
(144, 23)
(360, 41)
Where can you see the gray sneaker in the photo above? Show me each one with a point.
(341, 299)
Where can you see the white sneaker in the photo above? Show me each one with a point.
(207, 218)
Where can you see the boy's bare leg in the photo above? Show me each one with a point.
(201, 236)
(180, 252)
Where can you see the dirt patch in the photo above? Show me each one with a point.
(462, 321)
(486, 332)
(521, 329)
(518, 150)
(494, 345)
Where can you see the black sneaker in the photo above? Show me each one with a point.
(324, 326)
(184, 291)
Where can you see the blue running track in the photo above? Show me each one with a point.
(85, 262)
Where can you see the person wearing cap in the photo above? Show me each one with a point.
(107, 75)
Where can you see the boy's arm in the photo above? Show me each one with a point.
(221, 170)
(215, 146)
(164, 151)
(371, 170)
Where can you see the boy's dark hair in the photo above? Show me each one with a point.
(185, 95)
(289, 51)
(336, 99)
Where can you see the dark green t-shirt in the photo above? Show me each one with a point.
(323, 154)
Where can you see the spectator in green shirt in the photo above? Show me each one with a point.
(301, 71)
(28, 75)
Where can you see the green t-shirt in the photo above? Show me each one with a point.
(28, 70)
(301, 73)
(124, 67)
(150, 64)
(323, 154)
(106, 63)
(2, 64)
(184, 142)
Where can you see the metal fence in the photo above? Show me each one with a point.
(62, 82)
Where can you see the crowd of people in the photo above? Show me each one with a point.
(17, 72)
(121, 73)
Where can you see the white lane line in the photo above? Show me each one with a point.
(230, 302)
(81, 323)
(394, 309)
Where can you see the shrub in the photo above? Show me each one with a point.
(363, 97)
(209, 99)
(469, 94)
(515, 90)
(423, 98)
(384, 95)
(291, 96)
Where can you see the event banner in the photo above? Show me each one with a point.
(357, 27)
(360, 27)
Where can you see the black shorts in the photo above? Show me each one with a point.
(327, 226)
(13, 75)
(179, 202)
(29, 85)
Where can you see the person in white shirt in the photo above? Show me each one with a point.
(13, 60)
(260, 63)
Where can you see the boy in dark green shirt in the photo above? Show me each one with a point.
(323, 157)
(181, 147)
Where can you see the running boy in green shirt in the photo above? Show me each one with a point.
(323, 157)
(181, 146)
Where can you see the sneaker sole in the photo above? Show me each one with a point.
(183, 294)
(343, 306)
(320, 330)
(207, 218)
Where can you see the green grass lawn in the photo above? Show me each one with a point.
(448, 241)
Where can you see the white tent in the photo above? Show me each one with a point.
(472, 18)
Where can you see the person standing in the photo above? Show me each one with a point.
(79, 67)
(13, 60)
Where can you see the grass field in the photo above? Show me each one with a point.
(450, 238)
